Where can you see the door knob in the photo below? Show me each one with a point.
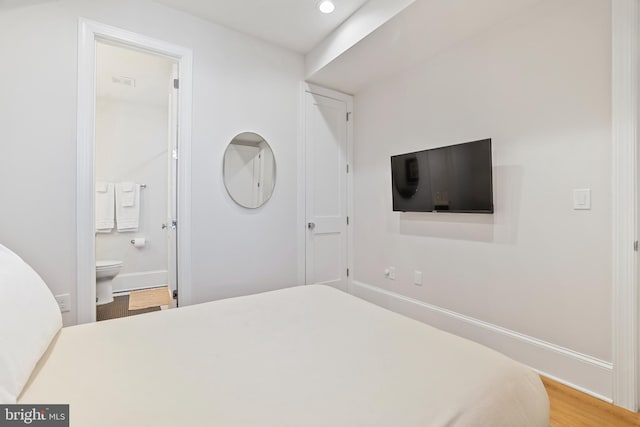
(311, 225)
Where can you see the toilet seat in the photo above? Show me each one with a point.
(103, 265)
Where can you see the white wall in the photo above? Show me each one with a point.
(539, 85)
(131, 145)
(135, 150)
(240, 84)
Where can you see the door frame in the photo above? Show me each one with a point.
(625, 121)
(88, 33)
(302, 178)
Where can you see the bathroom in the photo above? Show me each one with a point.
(135, 181)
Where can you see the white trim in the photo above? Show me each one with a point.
(302, 172)
(144, 288)
(583, 372)
(329, 93)
(140, 280)
(350, 196)
(85, 197)
(88, 33)
(574, 386)
(625, 76)
(302, 185)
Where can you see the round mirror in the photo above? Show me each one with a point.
(249, 170)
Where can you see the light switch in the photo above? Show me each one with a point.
(582, 199)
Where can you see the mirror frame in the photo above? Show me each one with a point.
(275, 171)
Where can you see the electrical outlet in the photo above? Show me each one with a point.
(417, 278)
(64, 302)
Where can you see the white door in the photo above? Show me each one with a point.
(242, 173)
(171, 224)
(326, 191)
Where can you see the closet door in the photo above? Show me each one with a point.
(326, 191)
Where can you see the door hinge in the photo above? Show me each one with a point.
(635, 246)
(175, 294)
(347, 272)
(347, 167)
(174, 154)
(176, 84)
(173, 225)
(347, 220)
(348, 116)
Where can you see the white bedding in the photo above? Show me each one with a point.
(304, 356)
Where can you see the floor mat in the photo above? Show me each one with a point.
(148, 298)
(119, 308)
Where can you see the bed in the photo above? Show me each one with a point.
(302, 356)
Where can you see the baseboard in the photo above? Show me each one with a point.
(583, 372)
(144, 279)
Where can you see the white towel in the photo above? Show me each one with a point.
(128, 194)
(104, 207)
(102, 186)
(127, 217)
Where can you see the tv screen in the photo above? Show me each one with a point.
(457, 178)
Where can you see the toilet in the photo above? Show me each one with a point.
(106, 271)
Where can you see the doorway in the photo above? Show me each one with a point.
(327, 131)
(135, 180)
(140, 139)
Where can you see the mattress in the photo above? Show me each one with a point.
(303, 356)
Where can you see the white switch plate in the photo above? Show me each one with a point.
(417, 278)
(64, 302)
(582, 199)
(392, 273)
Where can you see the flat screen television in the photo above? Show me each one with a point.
(456, 178)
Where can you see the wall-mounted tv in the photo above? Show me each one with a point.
(456, 178)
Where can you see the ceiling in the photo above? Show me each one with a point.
(14, 4)
(293, 24)
(421, 31)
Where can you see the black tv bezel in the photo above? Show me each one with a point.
(479, 211)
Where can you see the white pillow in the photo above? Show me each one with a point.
(29, 320)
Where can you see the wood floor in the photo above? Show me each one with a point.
(571, 408)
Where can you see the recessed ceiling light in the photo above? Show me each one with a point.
(326, 6)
